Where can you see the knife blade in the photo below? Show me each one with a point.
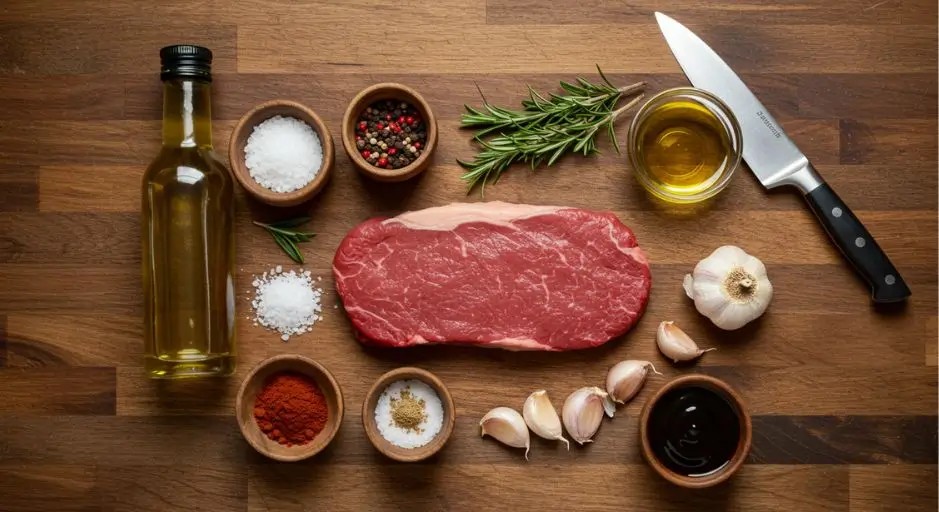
(776, 160)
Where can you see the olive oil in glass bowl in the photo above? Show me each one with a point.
(684, 145)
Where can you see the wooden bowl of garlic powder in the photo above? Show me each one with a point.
(408, 414)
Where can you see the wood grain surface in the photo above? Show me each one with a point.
(844, 395)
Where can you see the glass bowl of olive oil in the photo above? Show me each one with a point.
(684, 145)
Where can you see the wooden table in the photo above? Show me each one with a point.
(843, 394)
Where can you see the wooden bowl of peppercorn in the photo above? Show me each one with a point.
(389, 132)
(289, 408)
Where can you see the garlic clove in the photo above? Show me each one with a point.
(626, 378)
(542, 418)
(583, 412)
(675, 344)
(730, 287)
(507, 426)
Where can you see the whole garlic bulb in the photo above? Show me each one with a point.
(730, 287)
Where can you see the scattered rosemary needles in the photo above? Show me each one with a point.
(545, 129)
(287, 237)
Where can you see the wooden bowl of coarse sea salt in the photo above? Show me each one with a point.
(281, 153)
(408, 414)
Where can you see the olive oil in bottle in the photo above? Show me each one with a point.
(684, 147)
(188, 244)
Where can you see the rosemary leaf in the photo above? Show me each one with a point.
(288, 238)
(609, 129)
(603, 77)
(288, 246)
(289, 233)
(303, 237)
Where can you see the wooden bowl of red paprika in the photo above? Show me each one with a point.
(289, 408)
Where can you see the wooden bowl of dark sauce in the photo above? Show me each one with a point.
(695, 431)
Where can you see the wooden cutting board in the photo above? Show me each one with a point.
(843, 395)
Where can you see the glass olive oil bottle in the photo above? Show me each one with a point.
(188, 243)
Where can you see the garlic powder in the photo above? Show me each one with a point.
(419, 403)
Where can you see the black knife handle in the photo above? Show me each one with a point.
(857, 245)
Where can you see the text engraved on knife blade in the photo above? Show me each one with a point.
(769, 124)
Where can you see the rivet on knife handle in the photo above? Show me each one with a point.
(857, 245)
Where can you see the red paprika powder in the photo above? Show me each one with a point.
(291, 408)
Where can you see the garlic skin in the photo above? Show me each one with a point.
(583, 411)
(675, 344)
(730, 287)
(507, 426)
(625, 379)
(542, 418)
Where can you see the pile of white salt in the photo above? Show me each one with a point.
(287, 302)
(283, 154)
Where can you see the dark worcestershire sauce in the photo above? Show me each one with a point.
(694, 431)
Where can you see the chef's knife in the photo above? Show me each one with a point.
(776, 160)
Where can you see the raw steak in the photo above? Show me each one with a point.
(513, 276)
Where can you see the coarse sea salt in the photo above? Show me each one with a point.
(426, 431)
(286, 302)
(283, 154)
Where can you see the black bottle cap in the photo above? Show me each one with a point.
(185, 60)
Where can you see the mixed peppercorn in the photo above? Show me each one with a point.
(390, 134)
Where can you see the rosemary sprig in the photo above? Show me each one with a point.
(286, 237)
(545, 129)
